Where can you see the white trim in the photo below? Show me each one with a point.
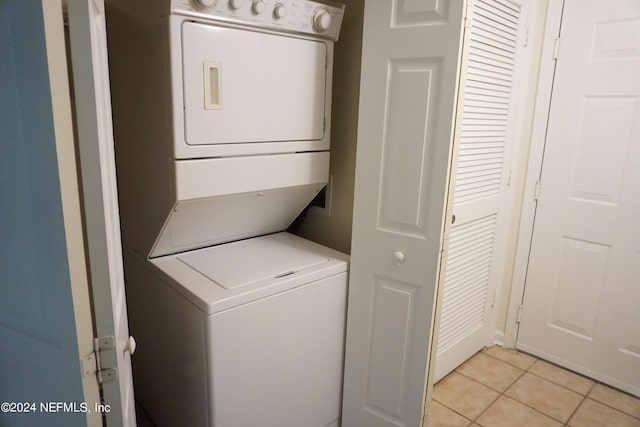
(87, 33)
(543, 102)
(70, 193)
(521, 107)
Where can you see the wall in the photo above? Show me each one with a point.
(39, 360)
(332, 226)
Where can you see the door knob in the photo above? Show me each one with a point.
(131, 346)
(398, 257)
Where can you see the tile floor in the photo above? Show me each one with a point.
(500, 387)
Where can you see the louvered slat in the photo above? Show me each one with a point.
(483, 11)
(488, 88)
(491, 57)
(505, 11)
(470, 251)
(497, 40)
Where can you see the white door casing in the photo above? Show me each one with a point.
(494, 52)
(581, 300)
(552, 18)
(97, 164)
(70, 195)
(410, 64)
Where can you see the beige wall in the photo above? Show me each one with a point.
(332, 227)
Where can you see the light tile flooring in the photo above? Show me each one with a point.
(500, 387)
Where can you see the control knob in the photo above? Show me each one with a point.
(257, 7)
(321, 20)
(235, 4)
(204, 4)
(280, 11)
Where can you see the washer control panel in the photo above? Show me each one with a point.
(300, 16)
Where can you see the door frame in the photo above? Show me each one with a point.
(70, 194)
(97, 172)
(534, 167)
(519, 129)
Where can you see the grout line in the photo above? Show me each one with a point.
(584, 397)
(562, 386)
(487, 386)
(524, 371)
(453, 410)
(509, 363)
(609, 406)
(593, 380)
(500, 395)
(565, 423)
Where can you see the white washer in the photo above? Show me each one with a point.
(249, 333)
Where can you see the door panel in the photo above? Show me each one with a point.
(494, 51)
(256, 93)
(582, 295)
(409, 67)
(97, 164)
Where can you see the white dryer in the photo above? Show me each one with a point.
(222, 124)
(221, 116)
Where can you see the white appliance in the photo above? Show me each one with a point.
(249, 333)
(222, 123)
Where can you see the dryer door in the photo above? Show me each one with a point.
(244, 86)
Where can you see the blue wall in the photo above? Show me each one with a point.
(39, 359)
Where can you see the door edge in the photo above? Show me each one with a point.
(544, 88)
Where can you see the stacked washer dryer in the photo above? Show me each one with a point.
(222, 123)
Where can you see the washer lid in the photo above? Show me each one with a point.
(242, 263)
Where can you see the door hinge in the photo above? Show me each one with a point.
(101, 361)
(519, 313)
(444, 251)
(537, 190)
(556, 48)
(493, 299)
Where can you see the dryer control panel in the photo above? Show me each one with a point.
(299, 16)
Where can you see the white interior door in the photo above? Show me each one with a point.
(494, 50)
(581, 301)
(410, 64)
(97, 163)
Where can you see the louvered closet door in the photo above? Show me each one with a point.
(494, 43)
